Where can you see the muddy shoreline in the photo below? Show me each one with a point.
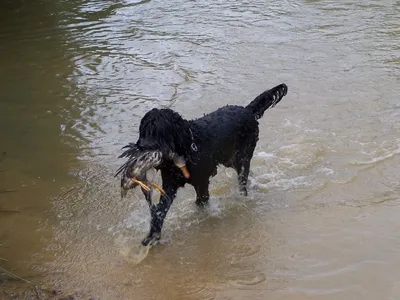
(16, 290)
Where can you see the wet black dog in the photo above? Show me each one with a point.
(226, 136)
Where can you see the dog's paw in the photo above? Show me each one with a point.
(243, 193)
(202, 203)
(151, 240)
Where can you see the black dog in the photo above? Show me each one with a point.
(226, 136)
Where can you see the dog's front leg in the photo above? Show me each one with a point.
(158, 213)
(202, 194)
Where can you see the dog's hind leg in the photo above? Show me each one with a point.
(242, 160)
(242, 168)
(202, 193)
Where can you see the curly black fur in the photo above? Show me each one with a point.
(226, 136)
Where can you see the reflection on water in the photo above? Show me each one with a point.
(321, 220)
(36, 158)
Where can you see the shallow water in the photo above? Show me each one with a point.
(321, 220)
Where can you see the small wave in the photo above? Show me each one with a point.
(248, 279)
(378, 159)
(316, 291)
(133, 253)
(266, 155)
(326, 171)
(283, 184)
(136, 2)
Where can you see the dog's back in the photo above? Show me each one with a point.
(231, 132)
(224, 132)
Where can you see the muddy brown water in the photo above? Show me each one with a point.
(322, 220)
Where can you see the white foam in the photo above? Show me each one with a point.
(266, 155)
(377, 159)
(327, 171)
(387, 154)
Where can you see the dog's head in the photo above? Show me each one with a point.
(164, 130)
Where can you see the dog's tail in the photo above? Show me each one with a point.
(266, 100)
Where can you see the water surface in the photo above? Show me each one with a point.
(321, 220)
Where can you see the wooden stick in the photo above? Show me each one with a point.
(6, 191)
(10, 211)
(37, 293)
(13, 275)
(65, 194)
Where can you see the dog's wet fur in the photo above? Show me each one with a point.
(227, 136)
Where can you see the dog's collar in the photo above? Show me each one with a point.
(193, 145)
